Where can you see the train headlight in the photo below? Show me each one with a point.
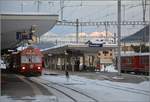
(23, 68)
(39, 68)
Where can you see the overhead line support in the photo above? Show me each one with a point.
(70, 23)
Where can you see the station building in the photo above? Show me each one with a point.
(79, 57)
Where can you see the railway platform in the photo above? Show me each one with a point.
(19, 88)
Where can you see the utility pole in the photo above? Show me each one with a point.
(61, 8)
(124, 12)
(22, 6)
(119, 37)
(144, 9)
(106, 29)
(115, 38)
(144, 13)
(77, 30)
(38, 5)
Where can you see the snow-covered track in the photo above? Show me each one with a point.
(61, 91)
(120, 87)
(75, 90)
(73, 94)
(132, 90)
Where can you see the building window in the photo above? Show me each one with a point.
(99, 54)
(105, 52)
(110, 54)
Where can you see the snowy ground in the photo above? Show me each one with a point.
(109, 68)
(101, 90)
(105, 91)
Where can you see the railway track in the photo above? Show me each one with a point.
(124, 89)
(75, 90)
(119, 87)
(74, 94)
(61, 91)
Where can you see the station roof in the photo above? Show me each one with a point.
(84, 48)
(11, 23)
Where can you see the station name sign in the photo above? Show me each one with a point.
(95, 45)
(91, 44)
(23, 36)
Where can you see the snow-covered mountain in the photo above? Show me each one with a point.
(83, 37)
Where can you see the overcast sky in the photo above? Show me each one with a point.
(84, 11)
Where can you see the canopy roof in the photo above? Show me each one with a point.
(84, 48)
(18, 22)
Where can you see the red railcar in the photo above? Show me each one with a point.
(27, 61)
(136, 62)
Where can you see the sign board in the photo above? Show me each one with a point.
(23, 36)
(18, 35)
(91, 44)
(95, 45)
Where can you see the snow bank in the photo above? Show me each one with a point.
(110, 68)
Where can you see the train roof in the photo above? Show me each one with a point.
(135, 54)
(31, 50)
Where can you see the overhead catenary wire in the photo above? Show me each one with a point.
(73, 0)
(82, 3)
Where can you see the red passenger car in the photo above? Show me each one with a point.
(136, 62)
(27, 61)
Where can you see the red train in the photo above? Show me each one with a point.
(27, 61)
(136, 62)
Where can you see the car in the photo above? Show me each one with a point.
(2, 64)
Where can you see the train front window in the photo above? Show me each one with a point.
(30, 59)
(24, 59)
(36, 59)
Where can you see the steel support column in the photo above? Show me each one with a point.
(119, 37)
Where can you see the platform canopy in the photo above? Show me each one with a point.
(83, 48)
(11, 23)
